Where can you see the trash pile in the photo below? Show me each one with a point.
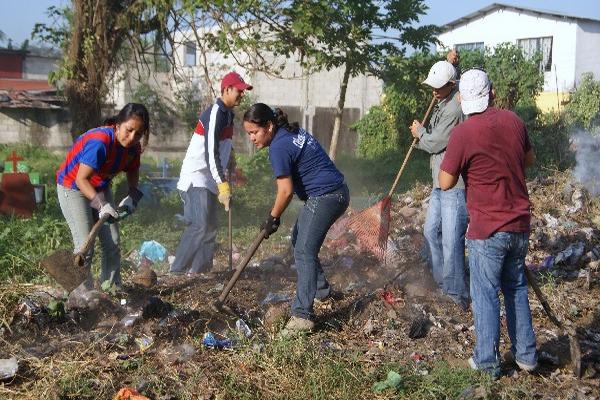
(384, 311)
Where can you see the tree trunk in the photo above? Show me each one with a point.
(339, 112)
(89, 58)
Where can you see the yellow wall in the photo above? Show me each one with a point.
(548, 101)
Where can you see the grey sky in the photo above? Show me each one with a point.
(18, 17)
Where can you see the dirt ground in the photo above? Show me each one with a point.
(375, 309)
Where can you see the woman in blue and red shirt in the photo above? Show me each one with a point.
(83, 182)
(301, 166)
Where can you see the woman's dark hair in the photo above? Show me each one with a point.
(261, 114)
(129, 111)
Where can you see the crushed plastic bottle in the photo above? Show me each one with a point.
(209, 340)
(243, 328)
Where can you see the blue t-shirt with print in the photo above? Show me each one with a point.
(300, 156)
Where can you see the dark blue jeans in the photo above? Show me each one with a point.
(314, 220)
(444, 231)
(498, 263)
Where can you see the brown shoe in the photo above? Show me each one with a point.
(296, 326)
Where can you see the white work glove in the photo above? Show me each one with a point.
(131, 200)
(100, 203)
(108, 209)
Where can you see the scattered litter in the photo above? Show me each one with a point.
(144, 342)
(577, 199)
(209, 340)
(123, 302)
(8, 368)
(551, 222)
(571, 254)
(129, 320)
(273, 298)
(127, 393)
(393, 381)
(153, 251)
(243, 328)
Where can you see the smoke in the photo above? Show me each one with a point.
(587, 157)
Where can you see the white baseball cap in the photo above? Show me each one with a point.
(474, 91)
(440, 73)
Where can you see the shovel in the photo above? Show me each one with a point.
(67, 268)
(218, 305)
(571, 333)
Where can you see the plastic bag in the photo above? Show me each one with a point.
(153, 251)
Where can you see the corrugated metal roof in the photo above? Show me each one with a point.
(39, 99)
(24, 84)
(525, 10)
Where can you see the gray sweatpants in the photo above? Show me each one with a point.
(81, 217)
(197, 245)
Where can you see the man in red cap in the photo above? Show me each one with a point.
(202, 181)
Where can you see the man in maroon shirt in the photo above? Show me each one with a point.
(490, 150)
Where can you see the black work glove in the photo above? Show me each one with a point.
(270, 225)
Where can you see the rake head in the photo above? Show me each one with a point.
(371, 227)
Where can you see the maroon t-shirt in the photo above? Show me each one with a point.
(488, 150)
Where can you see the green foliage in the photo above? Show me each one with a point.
(549, 135)
(254, 199)
(517, 82)
(516, 79)
(584, 108)
(162, 113)
(385, 128)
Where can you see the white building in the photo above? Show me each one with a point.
(570, 45)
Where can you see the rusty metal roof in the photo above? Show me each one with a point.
(39, 99)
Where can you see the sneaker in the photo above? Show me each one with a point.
(510, 357)
(472, 364)
(296, 326)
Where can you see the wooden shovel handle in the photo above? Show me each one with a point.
(89, 241)
(412, 146)
(240, 268)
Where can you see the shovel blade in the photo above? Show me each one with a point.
(63, 267)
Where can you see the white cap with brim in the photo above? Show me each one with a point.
(474, 91)
(440, 73)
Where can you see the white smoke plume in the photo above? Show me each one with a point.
(587, 157)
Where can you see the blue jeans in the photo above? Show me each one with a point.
(444, 232)
(197, 245)
(498, 263)
(314, 220)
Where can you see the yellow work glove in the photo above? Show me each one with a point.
(224, 194)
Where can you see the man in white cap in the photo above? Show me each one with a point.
(203, 182)
(491, 150)
(447, 216)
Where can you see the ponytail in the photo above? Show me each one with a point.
(261, 114)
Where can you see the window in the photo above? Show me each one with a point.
(190, 54)
(541, 45)
(469, 46)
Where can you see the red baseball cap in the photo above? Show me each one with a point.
(234, 79)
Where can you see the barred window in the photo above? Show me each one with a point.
(190, 54)
(543, 45)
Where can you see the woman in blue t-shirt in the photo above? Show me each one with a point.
(300, 166)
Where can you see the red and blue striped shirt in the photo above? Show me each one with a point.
(99, 149)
